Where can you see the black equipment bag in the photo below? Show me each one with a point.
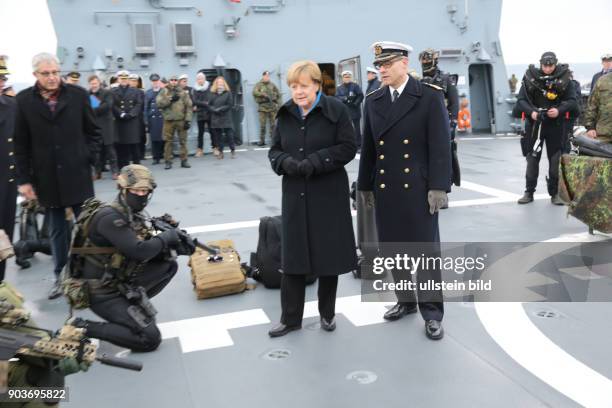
(32, 237)
(266, 266)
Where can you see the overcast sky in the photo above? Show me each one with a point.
(577, 30)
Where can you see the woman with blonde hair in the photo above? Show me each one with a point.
(313, 140)
(221, 124)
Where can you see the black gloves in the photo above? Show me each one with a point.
(187, 125)
(290, 165)
(170, 238)
(305, 168)
(175, 98)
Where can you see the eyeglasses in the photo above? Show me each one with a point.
(47, 74)
(386, 64)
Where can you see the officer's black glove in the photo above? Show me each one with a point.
(305, 168)
(170, 238)
(290, 165)
(175, 98)
(187, 125)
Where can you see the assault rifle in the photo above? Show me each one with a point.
(187, 244)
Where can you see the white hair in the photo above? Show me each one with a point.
(43, 57)
(201, 75)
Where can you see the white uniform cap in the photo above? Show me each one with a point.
(123, 73)
(388, 50)
(345, 73)
(134, 76)
(372, 70)
(183, 76)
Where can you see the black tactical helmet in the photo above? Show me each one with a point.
(429, 59)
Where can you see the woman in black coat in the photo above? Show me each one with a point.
(314, 139)
(102, 107)
(221, 124)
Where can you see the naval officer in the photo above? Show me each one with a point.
(405, 169)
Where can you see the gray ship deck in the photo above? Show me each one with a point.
(217, 353)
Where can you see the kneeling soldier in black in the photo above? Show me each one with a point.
(117, 264)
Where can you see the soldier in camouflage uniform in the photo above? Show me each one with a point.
(176, 106)
(28, 371)
(268, 100)
(598, 115)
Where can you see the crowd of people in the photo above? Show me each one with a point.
(55, 132)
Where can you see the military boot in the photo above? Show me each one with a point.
(526, 198)
(556, 200)
(185, 164)
(168, 165)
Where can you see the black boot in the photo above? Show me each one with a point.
(281, 329)
(168, 165)
(185, 164)
(526, 198)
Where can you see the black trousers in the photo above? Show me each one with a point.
(202, 124)
(8, 206)
(121, 329)
(108, 154)
(357, 126)
(224, 136)
(127, 153)
(157, 149)
(556, 142)
(293, 292)
(60, 235)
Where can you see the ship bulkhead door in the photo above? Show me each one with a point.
(481, 98)
(352, 64)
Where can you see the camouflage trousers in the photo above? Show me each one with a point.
(265, 117)
(170, 126)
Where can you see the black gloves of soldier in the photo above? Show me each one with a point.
(175, 98)
(290, 165)
(305, 168)
(170, 238)
(187, 125)
(436, 199)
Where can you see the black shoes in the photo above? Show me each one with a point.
(260, 144)
(56, 290)
(168, 165)
(434, 330)
(281, 329)
(155, 161)
(400, 310)
(526, 198)
(556, 200)
(328, 325)
(185, 164)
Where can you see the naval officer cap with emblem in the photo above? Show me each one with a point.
(387, 51)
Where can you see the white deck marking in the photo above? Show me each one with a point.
(209, 332)
(509, 326)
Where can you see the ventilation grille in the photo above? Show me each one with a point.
(144, 40)
(183, 38)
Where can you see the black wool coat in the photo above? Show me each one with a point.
(104, 116)
(55, 151)
(220, 107)
(317, 230)
(405, 153)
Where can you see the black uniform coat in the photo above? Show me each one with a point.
(317, 231)
(405, 153)
(153, 116)
(8, 184)
(127, 100)
(55, 151)
(104, 116)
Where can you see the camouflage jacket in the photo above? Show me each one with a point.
(267, 96)
(177, 110)
(598, 114)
